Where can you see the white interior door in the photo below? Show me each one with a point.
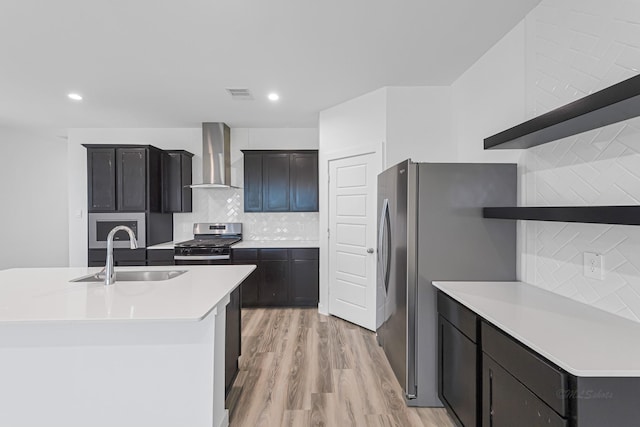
(352, 235)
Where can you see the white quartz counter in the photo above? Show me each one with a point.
(251, 244)
(47, 295)
(581, 339)
(255, 244)
(165, 245)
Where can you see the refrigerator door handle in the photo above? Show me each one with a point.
(387, 263)
(382, 251)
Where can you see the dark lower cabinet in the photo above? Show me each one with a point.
(488, 378)
(507, 402)
(304, 278)
(274, 287)
(160, 257)
(283, 277)
(458, 361)
(232, 339)
(121, 257)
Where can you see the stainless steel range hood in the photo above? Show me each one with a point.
(216, 156)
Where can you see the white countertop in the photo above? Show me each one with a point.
(254, 244)
(581, 339)
(46, 295)
(165, 245)
(251, 244)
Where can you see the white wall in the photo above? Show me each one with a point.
(354, 127)
(420, 125)
(33, 185)
(490, 97)
(208, 205)
(575, 48)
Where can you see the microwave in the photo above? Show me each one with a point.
(100, 224)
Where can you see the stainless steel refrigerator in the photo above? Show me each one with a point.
(430, 228)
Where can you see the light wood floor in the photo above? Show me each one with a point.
(300, 368)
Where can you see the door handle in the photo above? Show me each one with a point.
(370, 250)
(387, 268)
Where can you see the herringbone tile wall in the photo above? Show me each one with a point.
(576, 47)
(227, 205)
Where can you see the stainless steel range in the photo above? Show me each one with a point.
(211, 244)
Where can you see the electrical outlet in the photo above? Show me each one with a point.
(593, 265)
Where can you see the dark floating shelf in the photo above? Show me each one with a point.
(611, 105)
(624, 215)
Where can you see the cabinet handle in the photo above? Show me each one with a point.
(370, 250)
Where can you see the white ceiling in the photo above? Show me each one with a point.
(166, 63)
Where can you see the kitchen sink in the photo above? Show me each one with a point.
(134, 276)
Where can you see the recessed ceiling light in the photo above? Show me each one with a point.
(75, 96)
(274, 96)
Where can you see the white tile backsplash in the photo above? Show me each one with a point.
(579, 47)
(227, 205)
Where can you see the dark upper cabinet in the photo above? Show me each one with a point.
(101, 170)
(275, 182)
(176, 179)
(252, 181)
(280, 181)
(303, 182)
(131, 181)
(134, 178)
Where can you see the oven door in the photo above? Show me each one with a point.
(100, 224)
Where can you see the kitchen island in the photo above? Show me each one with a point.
(144, 353)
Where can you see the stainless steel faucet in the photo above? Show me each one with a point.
(109, 272)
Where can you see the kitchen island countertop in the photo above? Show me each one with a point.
(47, 295)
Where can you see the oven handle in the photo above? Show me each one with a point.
(200, 257)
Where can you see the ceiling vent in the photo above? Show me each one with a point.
(240, 94)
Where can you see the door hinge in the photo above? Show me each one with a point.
(328, 233)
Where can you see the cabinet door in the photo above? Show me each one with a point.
(157, 257)
(132, 182)
(252, 182)
(458, 373)
(304, 277)
(506, 402)
(275, 182)
(304, 182)
(250, 285)
(176, 178)
(232, 339)
(101, 172)
(274, 287)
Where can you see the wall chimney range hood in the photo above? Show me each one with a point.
(216, 156)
